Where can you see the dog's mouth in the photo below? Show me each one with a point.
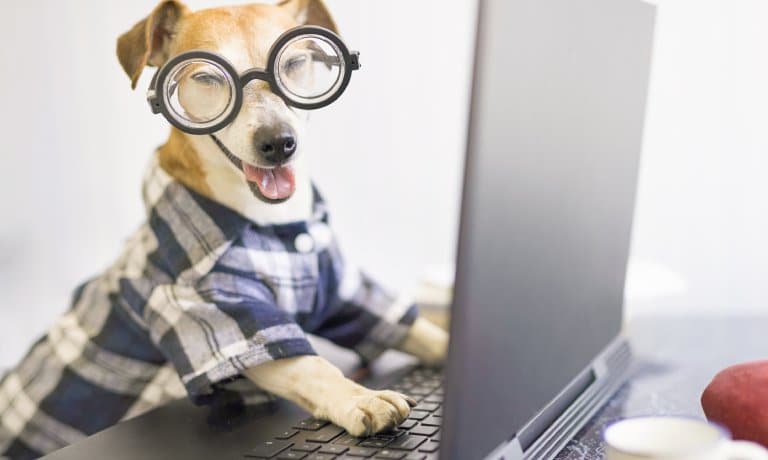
(274, 184)
(271, 185)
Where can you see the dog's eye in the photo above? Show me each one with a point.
(295, 63)
(207, 79)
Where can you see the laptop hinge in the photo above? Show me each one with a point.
(509, 450)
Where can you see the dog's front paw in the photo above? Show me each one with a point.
(427, 342)
(366, 412)
(434, 351)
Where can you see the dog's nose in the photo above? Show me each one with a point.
(275, 143)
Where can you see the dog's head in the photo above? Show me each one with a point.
(263, 142)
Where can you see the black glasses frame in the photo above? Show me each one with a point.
(159, 104)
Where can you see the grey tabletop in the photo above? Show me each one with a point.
(676, 359)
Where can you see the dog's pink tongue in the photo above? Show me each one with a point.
(276, 184)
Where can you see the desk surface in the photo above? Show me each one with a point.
(676, 359)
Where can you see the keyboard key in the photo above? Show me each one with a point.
(431, 446)
(438, 412)
(375, 442)
(391, 434)
(292, 455)
(433, 398)
(418, 415)
(390, 454)
(319, 456)
(287, 434)
(333, 449)
(347, 440)
(408, 442)
(306, 447)
(419, 391)
(269, 449)
(310, 424)
(415, 457)
(361, 452)
(408, 424)
(325, 434)
(435, 437)
(432, 421)
(429, 407)
(424, 430)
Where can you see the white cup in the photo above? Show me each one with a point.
(675, 438)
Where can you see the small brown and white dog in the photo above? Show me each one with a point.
(244, 34)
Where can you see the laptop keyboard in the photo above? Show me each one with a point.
(417, 438)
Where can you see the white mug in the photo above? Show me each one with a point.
(675, 438)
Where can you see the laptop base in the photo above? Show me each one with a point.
(548, 433)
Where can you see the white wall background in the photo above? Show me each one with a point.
(701, 228)
(388, 155)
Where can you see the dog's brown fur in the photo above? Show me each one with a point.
(180, 159)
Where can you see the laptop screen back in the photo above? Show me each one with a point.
(555, 137)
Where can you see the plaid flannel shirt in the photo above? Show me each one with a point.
(199, 294)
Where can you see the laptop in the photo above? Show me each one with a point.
(554, 141)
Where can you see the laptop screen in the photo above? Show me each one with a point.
(555, 137)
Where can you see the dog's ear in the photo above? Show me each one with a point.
(147, 42)
(312, 12)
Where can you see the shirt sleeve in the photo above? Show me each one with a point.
(363, 314)
(210, 332)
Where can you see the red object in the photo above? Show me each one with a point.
(738, 398)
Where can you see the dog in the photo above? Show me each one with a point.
(197, 299)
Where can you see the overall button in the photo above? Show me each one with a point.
(304, 243)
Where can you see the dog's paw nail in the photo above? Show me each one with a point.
(360, 425)
(411, 402)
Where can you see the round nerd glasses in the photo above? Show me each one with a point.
(200, 92)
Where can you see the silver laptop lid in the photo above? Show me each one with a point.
(555, 138)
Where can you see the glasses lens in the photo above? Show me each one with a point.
(199, 93)
(310, 69)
